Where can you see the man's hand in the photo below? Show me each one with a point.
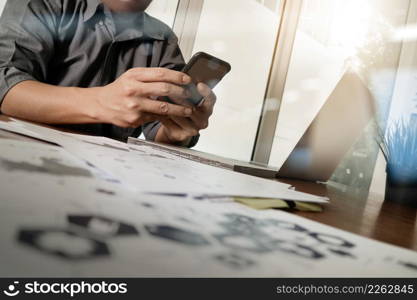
(175, 129)
(127, 102)
(130, 100)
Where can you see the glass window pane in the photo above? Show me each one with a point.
(335, 37)
(164, 10)
(2, 3)
(242, 32)
(404, 102)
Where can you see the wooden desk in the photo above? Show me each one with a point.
(363, 214)
(350, 210)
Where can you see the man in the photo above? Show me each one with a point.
(103, 65)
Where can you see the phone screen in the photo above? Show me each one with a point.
(206, 69)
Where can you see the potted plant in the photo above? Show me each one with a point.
(399, 146)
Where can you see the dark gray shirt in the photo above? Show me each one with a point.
(76, 43)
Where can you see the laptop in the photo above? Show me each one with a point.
(335, 129)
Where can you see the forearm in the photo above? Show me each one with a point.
(39, 102)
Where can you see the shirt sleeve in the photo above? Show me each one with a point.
(172, 59)
(27, 30)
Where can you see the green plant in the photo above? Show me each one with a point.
(399, 146)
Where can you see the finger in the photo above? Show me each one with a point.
(207, 105)
(158, 89)
(178, 101)
(174, 100)
(200, 119)
(206, 92)
(159, 75)
(182, 102)
(205, 109)
(186, 125)
(170, 125)
(135, 119)
(152, 117)
(164, 108)
(177, 132)
(173, 132)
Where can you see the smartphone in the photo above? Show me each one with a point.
(207, 69)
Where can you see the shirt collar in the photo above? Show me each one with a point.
(91, 9)
(153, 28)
(147, 24)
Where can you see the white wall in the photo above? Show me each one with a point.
(404, 100)
(163, 10)
(243, 33)
(2, 3)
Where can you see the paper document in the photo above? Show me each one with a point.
(59, 216)
(51, 229)
(145, 169)
(154, 171)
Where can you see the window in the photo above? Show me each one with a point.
(2, 3)
(164, 10)
(242, 32)
(332, 38)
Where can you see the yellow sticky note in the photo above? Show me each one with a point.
(304, 206)
(265, 203)
(259, 203)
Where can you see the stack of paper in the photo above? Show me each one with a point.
(61, 216)
(150, 170)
